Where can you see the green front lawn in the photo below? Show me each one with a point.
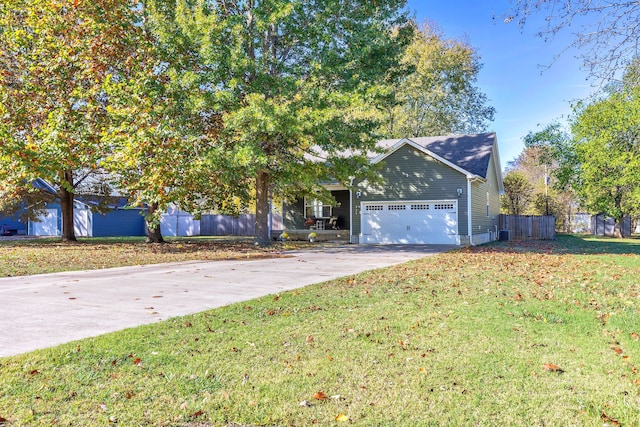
(537, 333)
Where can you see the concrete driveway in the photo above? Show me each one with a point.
(49, 309)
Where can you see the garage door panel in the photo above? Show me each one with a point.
(421, 222)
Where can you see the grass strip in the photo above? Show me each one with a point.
(49, 255)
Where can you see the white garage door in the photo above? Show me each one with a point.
(421, 222)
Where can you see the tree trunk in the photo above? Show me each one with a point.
(618, 230)
(66, 204)
(262, 209)
(154, 233)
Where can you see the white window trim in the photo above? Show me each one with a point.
(317, 208)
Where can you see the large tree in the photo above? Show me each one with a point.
(54, 59)
(606, 142)
(600, 160)
(297, 84)
(163, 129)
(539, 166)
(605, 32)
(436, 92)
(518, 193)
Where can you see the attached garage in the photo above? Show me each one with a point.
(412, 222)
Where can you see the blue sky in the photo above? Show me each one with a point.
(513, 60)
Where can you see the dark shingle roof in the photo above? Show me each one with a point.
(469, 152)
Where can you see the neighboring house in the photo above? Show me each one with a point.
(120, 220)
(50, 223)
(436, 190)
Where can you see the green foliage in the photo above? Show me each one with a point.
(437, 92)
(54, 60)
(518, 193)
(537, 164)
(607, 147)
(600, 160)
(296, 85)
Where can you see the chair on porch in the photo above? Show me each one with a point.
(311, 222)
(333, 223)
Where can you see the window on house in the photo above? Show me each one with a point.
(487, 203)
(315, 208)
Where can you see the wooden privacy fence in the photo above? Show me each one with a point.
(528, 227)
(242, 225)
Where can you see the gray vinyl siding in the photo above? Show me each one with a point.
(409, 174)
(480, 221)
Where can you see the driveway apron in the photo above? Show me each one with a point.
(45, 310)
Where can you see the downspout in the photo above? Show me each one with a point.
(469, 213)
(270, 217)
(351, 212)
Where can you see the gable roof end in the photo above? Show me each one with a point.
(470, 154)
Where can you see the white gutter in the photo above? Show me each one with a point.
(469, 213)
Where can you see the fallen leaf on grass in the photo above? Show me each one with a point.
(553, 368)
(321, 395)
(342, 418)
(617, 350)
(635, 336)
(608, 419)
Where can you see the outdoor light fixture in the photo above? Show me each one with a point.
(358, 194)
(459, 190)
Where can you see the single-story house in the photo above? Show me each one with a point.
(436, 190)
(50, 223)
